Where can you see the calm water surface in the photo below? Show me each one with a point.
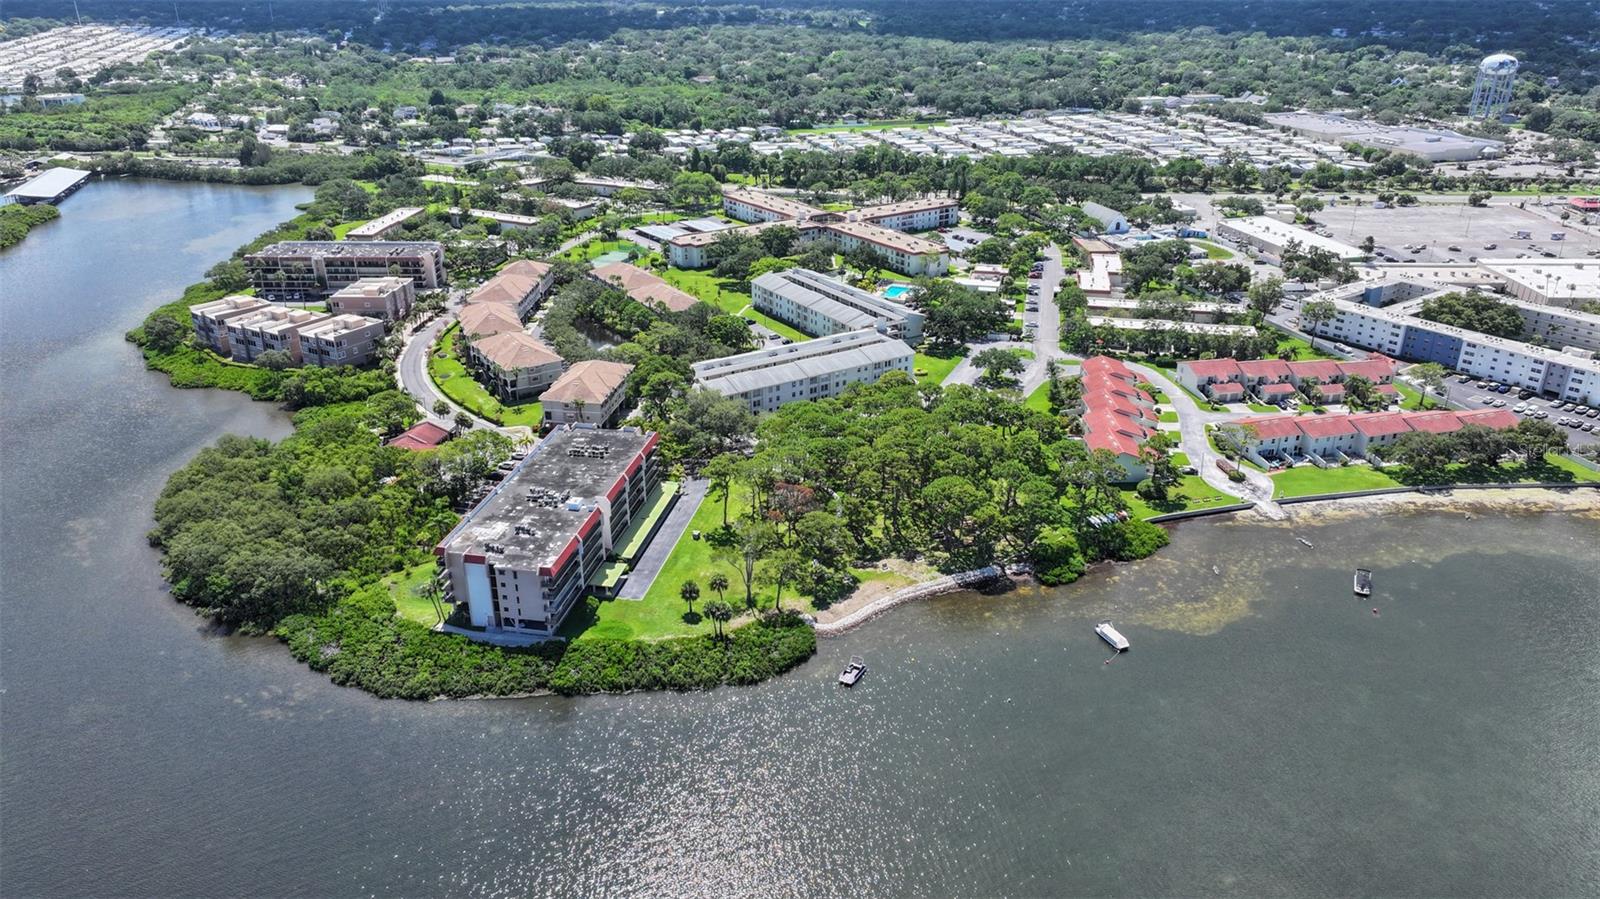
(1266, 735)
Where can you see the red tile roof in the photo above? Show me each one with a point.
(1107, 365)
(1274, 389)
(1264, 368)
(1377, 369)
(1380, 424)
(1440, 421)
(421, 436)
(1218, 369)
(1330, 390)
(1498, 419)
(1270, 426)
(1103, 430)
(1321, 369)
(1325, 425)
(1227, 388)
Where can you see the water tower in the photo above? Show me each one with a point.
(1491, 92)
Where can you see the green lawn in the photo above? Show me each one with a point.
(727, 295)
(402, 586)
(1169, 417)
(1302, 349)
(455, 382)
(585, 252)
(934, 369)
(662, 613)
(1409, 398)
(1039, 399)
(1212, 250)
(1263, 407)
(1191, 492)
(340, 230)
(1306, 480)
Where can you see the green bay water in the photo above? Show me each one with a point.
(1266, 735)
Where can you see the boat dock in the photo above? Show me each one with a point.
(50, 186)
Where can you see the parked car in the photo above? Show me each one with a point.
(1519, 408)
(1504, 388)
(1588, 426)
(1499, 404)
(1486, 399)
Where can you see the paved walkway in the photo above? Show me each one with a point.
(1046, 344)
(1192, 420)
(655, 555)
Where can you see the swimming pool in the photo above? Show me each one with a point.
(896, 291)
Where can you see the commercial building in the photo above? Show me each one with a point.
(382, 226)
(1431, 144)
(808, 370)
(1569, 283)
(1272, 237)
(388, 298)
(1117, 416)
(1332, 439)
(270, 328)
(340, 340)
(520, 285)
(211, 320)
(310, 270)
(515, 366)
(523, 556)
(590, 392)
(1397, 331)
(645, 288)
(1103, 276)
(1111, 221)
(49, 186)
(819, 306)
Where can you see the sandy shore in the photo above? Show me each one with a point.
(904, 574)
(1489, 500)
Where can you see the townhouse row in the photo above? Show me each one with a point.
(1331, 439)
(1277, 382)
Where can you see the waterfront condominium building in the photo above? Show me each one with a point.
(590, 392)
(522, 557)
(808, 370)
(388, 298)
(269, 328)
(341, 340)
(819, 306)
(310, 270)
(211, 319)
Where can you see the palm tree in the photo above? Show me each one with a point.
(718, 582)
(690, 591)
(720, 613)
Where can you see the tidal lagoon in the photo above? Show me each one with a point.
(1267, 734)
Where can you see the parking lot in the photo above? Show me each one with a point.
(1470, 396)
(1453, 233)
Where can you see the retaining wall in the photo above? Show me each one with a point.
(948, 584)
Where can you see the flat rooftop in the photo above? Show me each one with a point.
(49, 184)
(1270, 230)
(733, 375)
(351, 249)
(543, 504)
(841, 302)
(384, 222)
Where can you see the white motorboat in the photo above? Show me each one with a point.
(1112, 636)
(853, 671)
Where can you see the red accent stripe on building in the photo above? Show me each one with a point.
(617, 488)
(650, 442)
(479, 558)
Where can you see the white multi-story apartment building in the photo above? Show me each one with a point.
(388, 298)
(811, 369)
(819, 306)
(880, 229)
(1397, 331)
(521, 559)
(309, 270)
